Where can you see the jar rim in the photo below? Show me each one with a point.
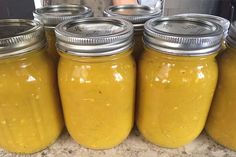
(19, 36)
(52, 15)
(98, 36)
(183, 36)
(231, 38)
(134, 13)
(225, 24)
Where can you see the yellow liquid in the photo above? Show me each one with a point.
(221, 124)
(51, 48)
(174, 97)
(30, 115)
(98, 98)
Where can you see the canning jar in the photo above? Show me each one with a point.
(97, 80)
(52, 15)
(221, 124)
(137, 15)
(219, 20)
(177, 77)
(30, 113)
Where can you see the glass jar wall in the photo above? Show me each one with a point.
(221, 120)
(137, 15)
(97, 80)
(52, 15)
(30, 113)
(176, 79)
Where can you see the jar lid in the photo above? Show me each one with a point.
(183, 36)
(231, 38)
(94, 36)
(52, 15)
(19, 36)
(219, 20)
(136, 14)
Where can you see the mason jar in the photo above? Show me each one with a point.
(97, 80)
(177, 76)
(221, 124)
(30, 113)
(217, 19)
(137, 15)
(52, 15)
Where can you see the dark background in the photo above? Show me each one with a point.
(16, 9)
(24, 9)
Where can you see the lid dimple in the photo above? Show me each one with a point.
(188, 28)
(95, 29)
(52, 15)
(84, 37)
(183, 36)
(11, 31)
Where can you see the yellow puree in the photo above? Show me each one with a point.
(221, 123)
(98, 98)
(51, 47)
(174, 96)
(30, 117)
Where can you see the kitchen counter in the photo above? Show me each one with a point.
(134, 146)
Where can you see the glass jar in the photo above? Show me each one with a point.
(221, 124)
(97, 80)
(30, 113)
(176, 79)
(137, 15)
(219, 20)
(52, 15)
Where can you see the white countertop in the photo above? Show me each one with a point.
(134, 146)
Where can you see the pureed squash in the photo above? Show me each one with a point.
(30, 113)
(137, 15)
(221, 124)
(177, 76)
(52, 15)
(97, 80)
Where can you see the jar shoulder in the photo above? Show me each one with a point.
(30, 68)
(114, 70)
(176, 69)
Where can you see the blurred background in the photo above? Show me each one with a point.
(24, 8)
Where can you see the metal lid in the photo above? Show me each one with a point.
(52, 15)
(183, 36)
(219, 20)
(94, 36)
(136, 14)
(19, 36)
(231, 38)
